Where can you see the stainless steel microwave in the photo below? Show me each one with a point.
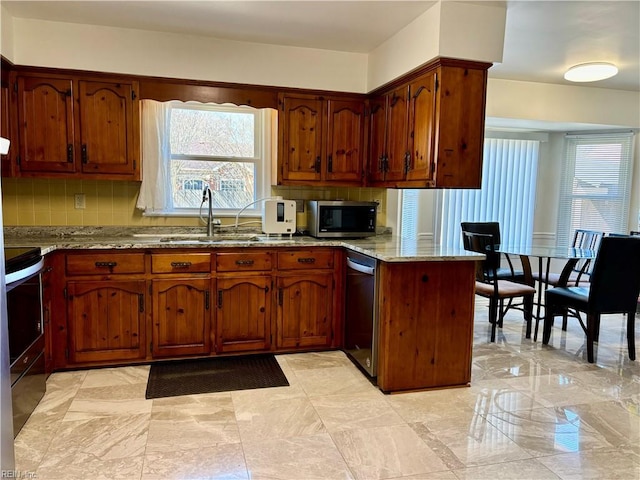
(342, 219)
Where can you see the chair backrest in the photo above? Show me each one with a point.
(488, 228)
(484, 243)
(586, 240)
(615, 281)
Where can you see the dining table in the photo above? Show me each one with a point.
(544, 254)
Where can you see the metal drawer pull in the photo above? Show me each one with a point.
(306, 260)
(106, 264)
(244, 262)
(181, 264)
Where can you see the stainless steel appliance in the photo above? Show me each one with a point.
(25, 331)
(342, 219)
(361, 316)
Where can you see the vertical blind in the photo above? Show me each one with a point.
(596, 184)
(507, 195)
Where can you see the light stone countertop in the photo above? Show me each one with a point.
(385, 247)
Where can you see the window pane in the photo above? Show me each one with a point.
(596, 184)
(232, 183)
(207, 132)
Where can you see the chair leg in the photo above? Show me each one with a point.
(631, 342)
(528, 314)
(501, 313)
(548, 323)
(592, 320)
(493, 317)
(565, 316)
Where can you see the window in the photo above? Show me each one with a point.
(507, 195)
(190, 146)
(596, 184)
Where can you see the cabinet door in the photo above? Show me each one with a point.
(105, 320)
(243, 314)
(304, 310)
(345, 141)
(109, 128)
(460, 115)
(46, 125)
(377, 136)
(301, 126)
(5, 122)
(181, 316)
(421, 125)
(397, 134)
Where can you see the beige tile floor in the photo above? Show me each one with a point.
(532, 412)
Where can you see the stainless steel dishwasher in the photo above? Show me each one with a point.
(361, 316)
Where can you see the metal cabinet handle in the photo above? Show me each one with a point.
(106, 264)
(181, 264)
(306, 260)
(244, 262)
(83, 153)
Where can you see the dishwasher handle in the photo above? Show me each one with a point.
(360, 268)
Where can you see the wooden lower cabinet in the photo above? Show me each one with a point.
(426, 324)
(105, 320)
(181, 316)
(304, 312)
(243, 313)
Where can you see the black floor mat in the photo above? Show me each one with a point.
(219, 374)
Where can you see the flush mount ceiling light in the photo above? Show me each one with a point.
(591, 72)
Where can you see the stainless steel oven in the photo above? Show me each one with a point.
(23, 267)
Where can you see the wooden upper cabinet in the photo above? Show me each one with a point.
(70, 127)
(397, 134)
(46, 125)
(377, 139)
(433, 129)
(109, 118)
(460, 115)
(301, 141)
(388, 131)
(421, 124)
(345, 141)
(321, 141)
(5, 131)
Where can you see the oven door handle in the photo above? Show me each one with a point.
(360, 268)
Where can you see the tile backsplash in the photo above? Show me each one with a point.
(51, 202)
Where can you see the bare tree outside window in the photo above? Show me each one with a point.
(216, 145)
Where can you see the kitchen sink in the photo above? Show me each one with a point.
(239, 237)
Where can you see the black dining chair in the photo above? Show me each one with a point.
(497, 291)
(614, 288)
(492, 228)
(582, 239)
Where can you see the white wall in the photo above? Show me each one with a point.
(120, 50)
(447, 29)
(6, 33)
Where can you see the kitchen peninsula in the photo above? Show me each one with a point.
(119, 296)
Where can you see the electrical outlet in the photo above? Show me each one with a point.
(79, 201)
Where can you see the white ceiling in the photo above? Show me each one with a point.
(542, 38)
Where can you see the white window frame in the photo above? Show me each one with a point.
(568, 220)
(262, 162)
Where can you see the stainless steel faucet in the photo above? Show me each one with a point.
(207, 194)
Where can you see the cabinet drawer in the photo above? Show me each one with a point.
(305, 259)
(180, 263)
(105, 263)
(233, 262)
